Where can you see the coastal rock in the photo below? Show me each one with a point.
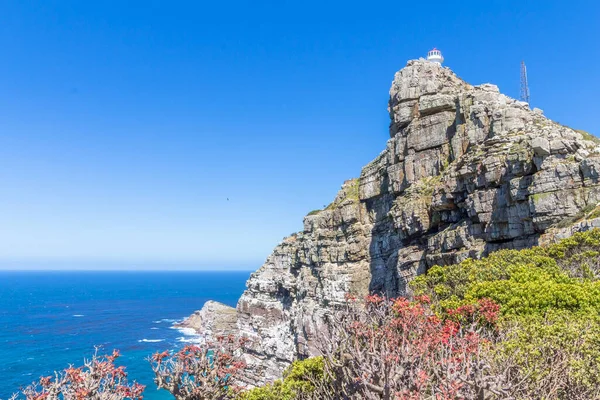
(212, 319)
(466, 171)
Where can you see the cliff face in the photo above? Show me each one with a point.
(214, 319)
(466, 171)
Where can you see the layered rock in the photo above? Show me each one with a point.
(467, 171)
(213, 319)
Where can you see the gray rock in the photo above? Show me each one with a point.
(467, 170)
(541, 146)
(212, 320)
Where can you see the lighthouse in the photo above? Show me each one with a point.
(435, 56)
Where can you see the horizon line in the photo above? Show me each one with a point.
(124, 270)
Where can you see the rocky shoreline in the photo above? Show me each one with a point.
(212, 320)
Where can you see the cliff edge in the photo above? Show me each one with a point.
(466, 171)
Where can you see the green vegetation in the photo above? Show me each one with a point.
(314, 212)
(353, 190)
(588, 136)
(545, 343)
(445, 162)
(582, 214)
(426, 186)
(549, 300)
(535, 291)
(540, 196)
(530, 281)
(535, 344)
(297, 380)
(595, 213)
(423, 188)
(350, 192)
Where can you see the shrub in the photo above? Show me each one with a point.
(548, 337)
(535, 291)
(386, 349)
(98, 378)
(298, 382)
(578, 255)
(561, 276)
(207, 372)
(552, 356)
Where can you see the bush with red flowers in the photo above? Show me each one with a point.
(201, 372)
(399, 349)
(98, 378)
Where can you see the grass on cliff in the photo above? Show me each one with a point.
(588, 136)
(351, 192)
(590, 211)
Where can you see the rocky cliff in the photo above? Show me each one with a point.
(212, 320)
(466, 171)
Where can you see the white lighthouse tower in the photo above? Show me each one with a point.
(435, 56)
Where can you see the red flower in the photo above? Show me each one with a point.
(158, 357)
(45, 381)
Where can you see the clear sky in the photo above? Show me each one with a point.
(125, 127)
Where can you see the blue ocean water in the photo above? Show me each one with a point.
(49, 320)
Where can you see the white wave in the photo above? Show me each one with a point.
(186, 331)
(78, 315)
(189, 339)
(154, 328)
(190, 335)
(151, 340)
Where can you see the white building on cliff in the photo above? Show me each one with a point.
(435, 56)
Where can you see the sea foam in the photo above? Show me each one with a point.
(190, 335)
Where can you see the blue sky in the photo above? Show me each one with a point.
(126, 126)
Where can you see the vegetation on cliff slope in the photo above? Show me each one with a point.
(549, 298)
(517, 324)
(298, 382)
(544, 343)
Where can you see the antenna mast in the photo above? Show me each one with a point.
(524, 85)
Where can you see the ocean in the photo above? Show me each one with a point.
(49, 320)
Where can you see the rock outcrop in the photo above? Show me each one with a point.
(213, 319)
(466, 171)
